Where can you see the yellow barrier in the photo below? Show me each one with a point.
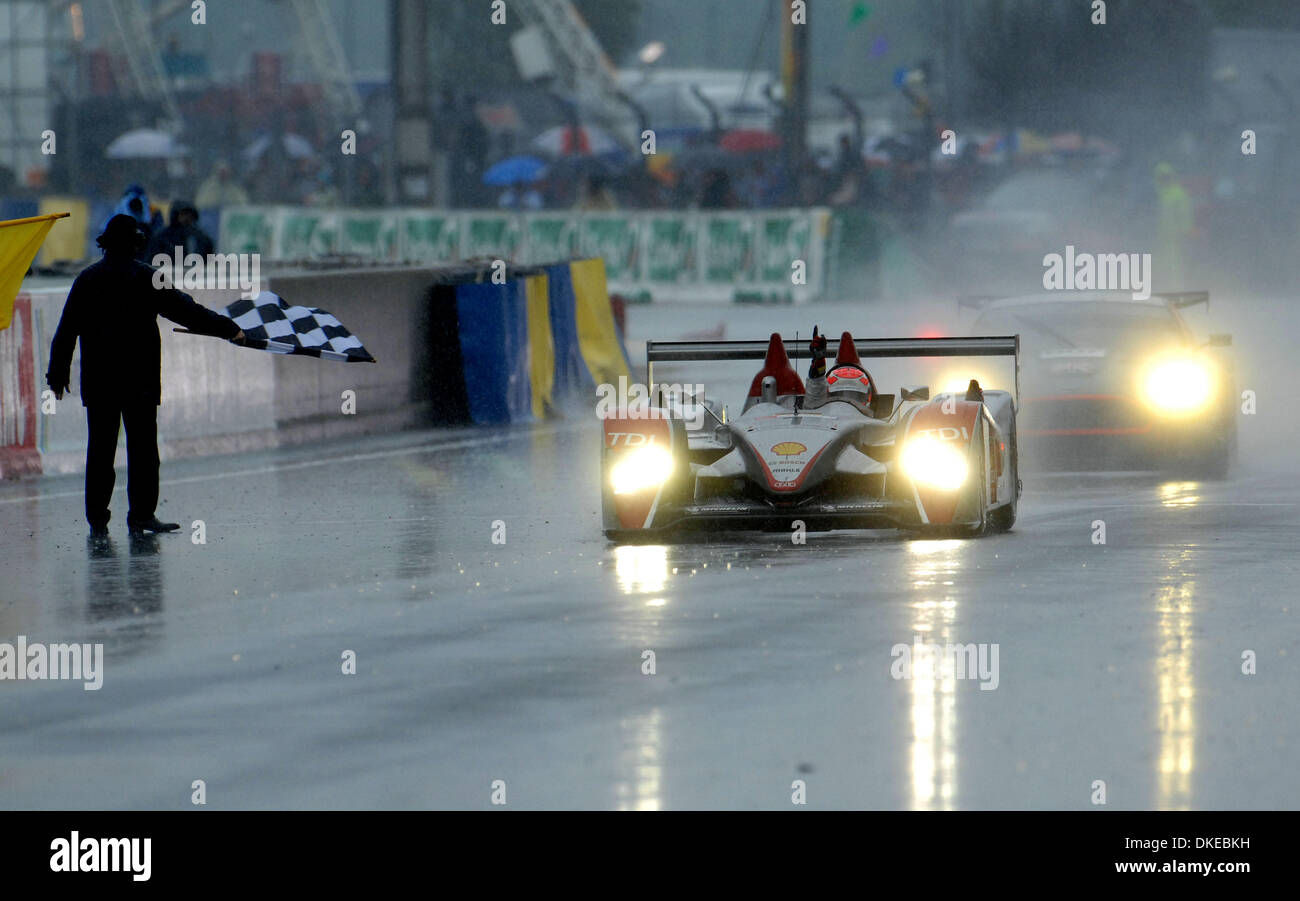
(597, 336)
(541, 344)
(68, 240)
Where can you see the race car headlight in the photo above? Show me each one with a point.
(938, 464)
(1178, 386)
(641, 468)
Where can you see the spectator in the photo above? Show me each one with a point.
(520, 197)
(367, 191)
(1173, 228)
(469, 156)
(594, 195)
(716, 192)
(183, 232)
(135, 203)
(220, 189)
(323, 192)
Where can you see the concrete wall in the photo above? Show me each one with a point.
(219, 398)
(385, 309)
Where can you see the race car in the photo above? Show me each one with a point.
(1119, 384)
(839, 454)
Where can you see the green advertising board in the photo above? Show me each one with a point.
(689, 256)
(306, 234)
(549, 237)
(246, 230)
(369, 235)
(428, 238)
(670, 249)
(613, 237)
(728, 249)
(493, 235)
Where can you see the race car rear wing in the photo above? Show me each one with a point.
(1179, 299)
(1182, 299)
(868, 348)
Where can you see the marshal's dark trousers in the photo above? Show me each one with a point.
(141, 420)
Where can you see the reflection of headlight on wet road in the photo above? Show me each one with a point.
(938, 464)
(639, 469)
(1178, 386)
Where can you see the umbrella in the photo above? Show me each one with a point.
(886, 149)
(145, 144)
(515, 171)
(295, 147)
(1067, 142)
(1030, 143)
(565, 139)
(661, 166)
(706, 156)
(749, 140)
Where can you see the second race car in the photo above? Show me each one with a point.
(1119, 384)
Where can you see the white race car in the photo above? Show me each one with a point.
(838, 454)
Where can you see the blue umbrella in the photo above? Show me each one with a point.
(514, 171)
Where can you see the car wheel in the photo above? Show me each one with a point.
(1003, 518)
(983, 527)
(632, 536)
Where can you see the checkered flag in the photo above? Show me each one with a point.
(271, 324)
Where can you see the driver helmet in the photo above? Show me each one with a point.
(850, 383)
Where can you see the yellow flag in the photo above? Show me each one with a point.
(20, 239)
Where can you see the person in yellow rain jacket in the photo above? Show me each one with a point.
(1174, 226)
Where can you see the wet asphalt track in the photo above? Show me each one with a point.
(523, 662)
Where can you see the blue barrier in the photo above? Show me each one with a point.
(571, 372)
(493, 323)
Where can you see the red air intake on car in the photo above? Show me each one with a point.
(777, 365)
(848, 352)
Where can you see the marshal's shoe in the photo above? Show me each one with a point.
(152, 525)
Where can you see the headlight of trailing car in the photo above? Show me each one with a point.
(938, 464)
(1178, 386)
(641, 468)
(958, 380)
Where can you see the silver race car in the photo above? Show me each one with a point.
(835, 454)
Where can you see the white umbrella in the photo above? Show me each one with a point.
(563, 140)
(145, 144)
(295, 147)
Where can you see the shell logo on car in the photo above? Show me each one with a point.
(788, 449)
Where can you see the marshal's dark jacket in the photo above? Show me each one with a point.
(113, 308)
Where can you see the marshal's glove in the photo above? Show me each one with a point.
(58, 384)
(817, 349)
